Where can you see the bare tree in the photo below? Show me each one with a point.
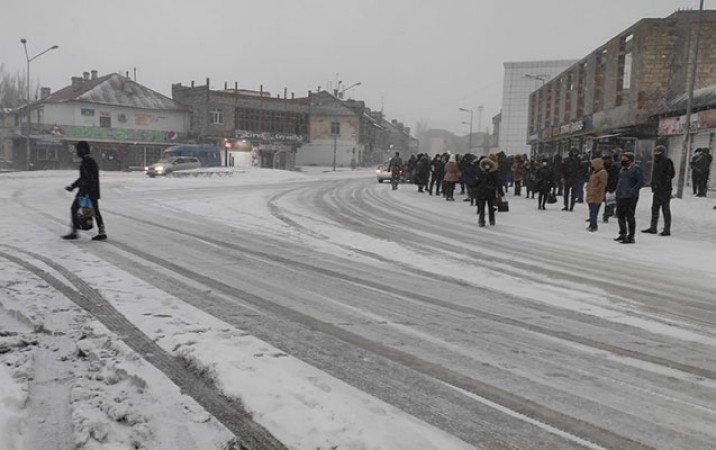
(13, 89)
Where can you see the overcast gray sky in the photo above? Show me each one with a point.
(417, 59)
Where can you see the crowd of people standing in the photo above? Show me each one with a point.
(613, 180)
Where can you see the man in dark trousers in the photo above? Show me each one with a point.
(661, 189)
(571, 173)
(631, 179)
(437, 172)
(88, 184)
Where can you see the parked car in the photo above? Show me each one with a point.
(383, 173)
(165, 166)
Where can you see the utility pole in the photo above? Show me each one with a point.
(686, 149)
(470, 137)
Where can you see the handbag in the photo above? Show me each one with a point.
(610, 198)
(503, 206)
(85, 213)
(551, 198)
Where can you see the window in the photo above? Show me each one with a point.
(335, 128)
(105, 122)
(628, 41)
(216, 116)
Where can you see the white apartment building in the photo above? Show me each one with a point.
(521, 79)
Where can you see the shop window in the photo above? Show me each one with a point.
(47, 154)
(105, 122)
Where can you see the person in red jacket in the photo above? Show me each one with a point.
(88, 184)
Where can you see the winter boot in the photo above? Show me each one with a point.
(101, 235)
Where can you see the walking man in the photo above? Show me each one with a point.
(661, 189)
(88, 184)
(631, 179)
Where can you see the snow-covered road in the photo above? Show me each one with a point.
(324, 310)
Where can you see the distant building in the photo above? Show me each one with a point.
(127, 124)
(614, 96)
(520, 80)
(282, 133)
(253, 127)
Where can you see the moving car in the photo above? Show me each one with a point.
(165, 166)
(383, 174)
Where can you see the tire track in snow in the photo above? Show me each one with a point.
(231, 414)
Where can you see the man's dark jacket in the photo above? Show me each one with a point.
(88, 182)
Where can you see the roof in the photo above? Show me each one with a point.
(114, 89)
(325, 103)
(703, 97)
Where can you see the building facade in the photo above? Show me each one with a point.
(672, 127)
(520, 80)
(253, 127)
(127, 124)
(610, 98)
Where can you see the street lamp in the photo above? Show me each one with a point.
(536, 77)
(470, 138)
(340, 93)
(29, 116)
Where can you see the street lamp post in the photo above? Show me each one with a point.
(29, 116)
(335, 131)
(470, 138)
(536, 77)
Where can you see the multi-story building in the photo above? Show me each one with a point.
(127, 124)
(281, 132)
(612, 97)
(254, 127)
(520, 80)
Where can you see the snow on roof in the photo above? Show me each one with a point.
(705, 96)
(114, 89)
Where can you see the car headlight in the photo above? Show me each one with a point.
(160, 169)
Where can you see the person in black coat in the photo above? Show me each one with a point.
(88, 184)
(571, 174)
(661, 189)
(487, 186)
(438, 172)
(544, 181)
(468, 171)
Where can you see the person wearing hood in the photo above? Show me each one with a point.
(87, 185)
(487, 188)
(661, 187)
(631, 179)
(452, 176)
(544, 182)
(596, 187)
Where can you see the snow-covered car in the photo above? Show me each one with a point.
(383, 173)
(169, 165)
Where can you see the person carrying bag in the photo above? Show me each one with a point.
(88, 185)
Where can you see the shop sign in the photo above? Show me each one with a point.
(268, 137)
(120, 134)
(574, 126)
(671, 126)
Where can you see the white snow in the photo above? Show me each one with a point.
(118, 399)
